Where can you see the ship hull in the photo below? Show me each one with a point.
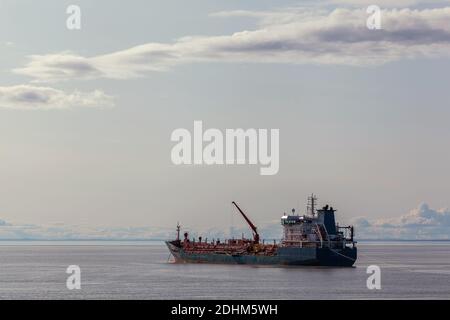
(294, 256)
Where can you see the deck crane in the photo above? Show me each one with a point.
(252, 226)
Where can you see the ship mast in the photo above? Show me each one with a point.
(178, 231)
(311, 207)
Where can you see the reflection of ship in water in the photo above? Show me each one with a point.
(310, 239)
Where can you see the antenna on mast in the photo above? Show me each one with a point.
(311, 207)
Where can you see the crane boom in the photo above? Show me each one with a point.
(252, 226)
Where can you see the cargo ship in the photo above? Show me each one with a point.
(313, 239)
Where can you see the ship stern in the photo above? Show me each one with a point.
(345, 257)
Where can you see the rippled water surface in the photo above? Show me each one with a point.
(143, 271)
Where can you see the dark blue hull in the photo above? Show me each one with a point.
(295, 256)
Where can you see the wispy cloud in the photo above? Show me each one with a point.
(30, 97)
(61, 231)
(8, 44)
(58, 231)
(301, 36)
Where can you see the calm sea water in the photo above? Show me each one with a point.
(35, 270)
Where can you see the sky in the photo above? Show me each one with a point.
(86, 115)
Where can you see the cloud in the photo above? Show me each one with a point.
(361, 222)
(388, 3)
(420, 223)
(34, 97)
(422, 216)
(61, 231)
(293, 36)
(58, 231)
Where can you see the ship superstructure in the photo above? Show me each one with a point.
(310, 239)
